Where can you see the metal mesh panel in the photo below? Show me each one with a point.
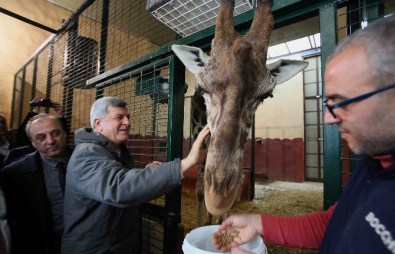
(107, 34)
(17, 93)
(146, 95)
(357, 14)
(28, 85)
(42, 73)
(124, 32)
(148, 113)
(126, 39)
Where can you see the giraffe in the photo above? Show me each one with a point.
(233, 81)
(199, 120)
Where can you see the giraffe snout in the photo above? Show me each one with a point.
(221, 192)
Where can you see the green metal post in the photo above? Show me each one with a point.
(103, 36)
(23, 88)
(34, 81)
(332, 149)
(175, 141)
(13, 123)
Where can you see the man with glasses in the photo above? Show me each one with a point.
(360, 101)
(34, 189)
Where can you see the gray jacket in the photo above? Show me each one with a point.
(103, 194)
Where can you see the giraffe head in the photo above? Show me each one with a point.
(233, 81)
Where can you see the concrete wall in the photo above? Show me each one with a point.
(282, 116)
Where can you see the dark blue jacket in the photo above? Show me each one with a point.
(364, 218)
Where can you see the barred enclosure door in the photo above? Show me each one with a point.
(313, 119)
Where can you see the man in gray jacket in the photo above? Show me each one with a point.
(104, 191)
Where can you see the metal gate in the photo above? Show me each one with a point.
(313, 121)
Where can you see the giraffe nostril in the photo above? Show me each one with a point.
(207, 178)
(207, 141)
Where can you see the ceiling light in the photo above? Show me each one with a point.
(186, 17)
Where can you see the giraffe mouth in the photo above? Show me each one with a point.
(219, 198)
(218, 205)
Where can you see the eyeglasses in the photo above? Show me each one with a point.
(355, 99)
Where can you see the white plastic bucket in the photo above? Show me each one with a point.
(199, 241)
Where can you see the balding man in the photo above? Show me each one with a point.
(34, 188)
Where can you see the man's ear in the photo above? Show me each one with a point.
(193, 58)
(283, 69)
(96, 124)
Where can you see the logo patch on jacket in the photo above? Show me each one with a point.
(380, 230)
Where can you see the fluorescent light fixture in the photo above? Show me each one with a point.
(310, 42)
(278, 50)
(317, 39)
(299, 45)
(186, 17)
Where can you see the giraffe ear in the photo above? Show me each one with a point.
(282, 70)
(192, 57)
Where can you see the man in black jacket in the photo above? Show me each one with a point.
(34, 189)
(23, 144)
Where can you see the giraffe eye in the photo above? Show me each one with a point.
(201, 90)
(265, 96)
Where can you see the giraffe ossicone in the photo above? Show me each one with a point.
(233, 81)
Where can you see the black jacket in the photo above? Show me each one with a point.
(28, 207)
(363, 221)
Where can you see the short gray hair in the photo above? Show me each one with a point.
(39, 116)
(378, 39)
(99, 108)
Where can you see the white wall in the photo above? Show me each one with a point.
(282, 116)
